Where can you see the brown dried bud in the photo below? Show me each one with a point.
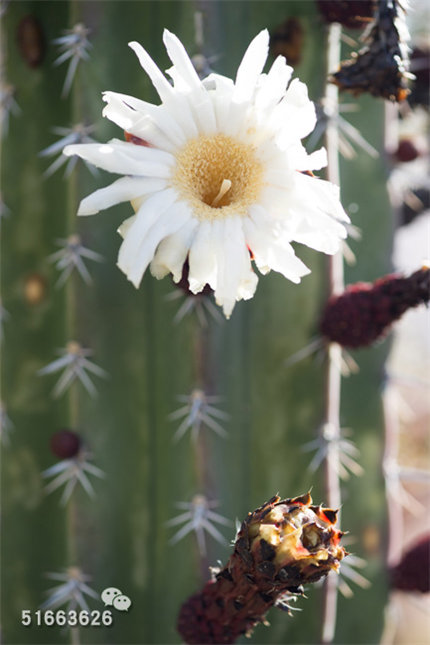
(279, 547)
(365, 311)
(31, 41)
(287, 40)
(381, 66)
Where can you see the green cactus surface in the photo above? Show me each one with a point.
(119, 537)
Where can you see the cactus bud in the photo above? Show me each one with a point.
(279, 547)
(364, 312)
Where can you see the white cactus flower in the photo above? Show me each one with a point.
(218, 178)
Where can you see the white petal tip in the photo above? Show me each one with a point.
(84, 211)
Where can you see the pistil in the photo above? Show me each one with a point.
(225, 187)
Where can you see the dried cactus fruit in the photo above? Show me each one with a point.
(381, 66)
(279, 547)
(365, 311)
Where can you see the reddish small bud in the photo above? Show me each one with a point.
(65, 444)
(131, 138)
(364, 312)
(413, 571)
(279, 547)
(353, 14)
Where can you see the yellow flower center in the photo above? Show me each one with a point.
(218, 176)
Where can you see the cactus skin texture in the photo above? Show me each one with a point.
(364, 312)
(279, 547)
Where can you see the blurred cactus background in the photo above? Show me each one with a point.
(102, 419)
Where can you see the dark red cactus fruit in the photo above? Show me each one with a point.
(287, 40)
(279, 547)
(65, 444)
(352, 14)
(406, 151)
(364, 312)
(413, 571)
(381, 66)
(31, 41)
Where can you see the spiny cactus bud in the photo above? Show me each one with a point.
(364, 312)
(279, 547)
(381, 66)
(65, 444)
(412, 572)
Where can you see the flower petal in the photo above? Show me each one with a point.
(296, 113)
(181, 60)
(158, 79)
(122, 190)
(147, 215)
(124, 158)
(202, 259)
(173, 250)
(272, 87)
(154, 125)
(251, 67)
(271, 252)
(167, 224)
(235, 278)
